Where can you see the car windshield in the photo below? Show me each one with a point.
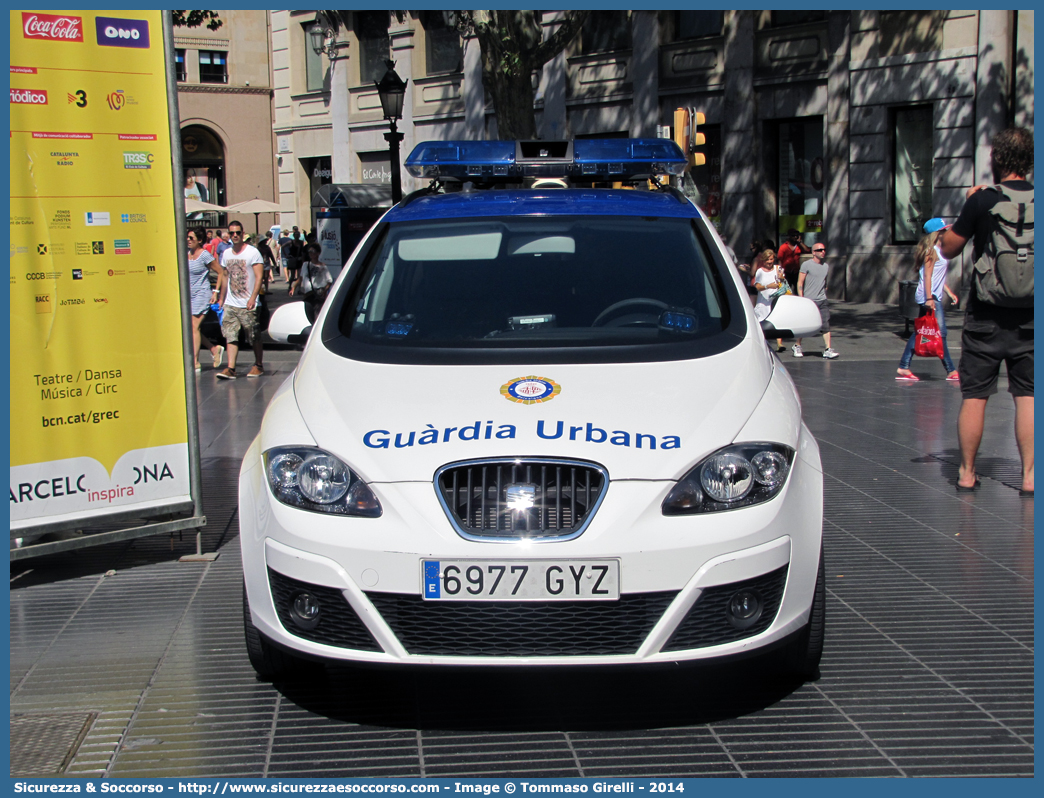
(534, 282)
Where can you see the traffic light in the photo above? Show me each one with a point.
(687, 135)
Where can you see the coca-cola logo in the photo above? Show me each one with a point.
(52, 27)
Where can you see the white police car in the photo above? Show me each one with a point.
(535, 424)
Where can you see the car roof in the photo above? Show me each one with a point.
(543, 202)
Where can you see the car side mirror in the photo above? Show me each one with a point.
(290, 324)
(792, 317)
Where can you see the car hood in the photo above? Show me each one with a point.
(395, 423)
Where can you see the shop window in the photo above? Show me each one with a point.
(213, 66)
(783, 18)
(442, 42)
(605, 31)
(801, 178)
(912, 186)
(203, 159)
(909, 32)
(179, 66)
(319, 172)
(374, 167)
(695, 24)
(313, 61)
(371, 28)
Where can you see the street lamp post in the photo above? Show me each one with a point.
(392, 90)
(329, 37)
(324, 32)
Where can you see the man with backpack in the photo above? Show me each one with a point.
(998, 324)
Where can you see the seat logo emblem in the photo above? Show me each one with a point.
(521, 497)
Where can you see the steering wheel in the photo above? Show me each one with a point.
(600, 319)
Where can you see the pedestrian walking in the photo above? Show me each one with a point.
(768, 280)
(266, 256)
(288, 254)
(313, 283)
(789, 256)
(239, 288)
(277, 256)
(222, 245)
(811, 284)
(213, 239)
(932, 274)
(200, 266)
(998, 323)
(753, 251)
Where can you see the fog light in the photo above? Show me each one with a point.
(304, 610)
(744, 608)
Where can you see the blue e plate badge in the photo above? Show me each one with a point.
(431, 580)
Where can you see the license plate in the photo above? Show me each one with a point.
(521, 580)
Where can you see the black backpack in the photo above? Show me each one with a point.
(1004, 271)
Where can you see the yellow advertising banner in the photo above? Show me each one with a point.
(98, 406)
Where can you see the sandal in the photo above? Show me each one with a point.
(953, 376)
(909, 376)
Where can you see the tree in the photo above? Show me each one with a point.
(513, 47)
(193, 19)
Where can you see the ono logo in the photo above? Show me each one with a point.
(28, 97)
(116, 32)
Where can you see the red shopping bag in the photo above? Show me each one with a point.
(928, 342)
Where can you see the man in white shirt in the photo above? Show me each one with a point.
(239, 284)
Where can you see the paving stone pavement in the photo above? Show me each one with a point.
(928, 669)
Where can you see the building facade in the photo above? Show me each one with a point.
(225, 108)
(853, 127)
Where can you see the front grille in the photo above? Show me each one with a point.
(338, 624)
(706, 623)
(521, 629)
(521, 499)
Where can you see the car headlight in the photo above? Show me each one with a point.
(736, 476)
(311, 479)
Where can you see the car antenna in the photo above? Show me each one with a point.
(432, 188)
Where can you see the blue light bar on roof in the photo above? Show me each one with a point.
(584, 159)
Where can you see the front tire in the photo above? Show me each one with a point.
(269, 662)
(804, 654)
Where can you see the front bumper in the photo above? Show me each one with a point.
(675, 575)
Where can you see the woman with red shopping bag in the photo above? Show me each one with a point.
(929, 338)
